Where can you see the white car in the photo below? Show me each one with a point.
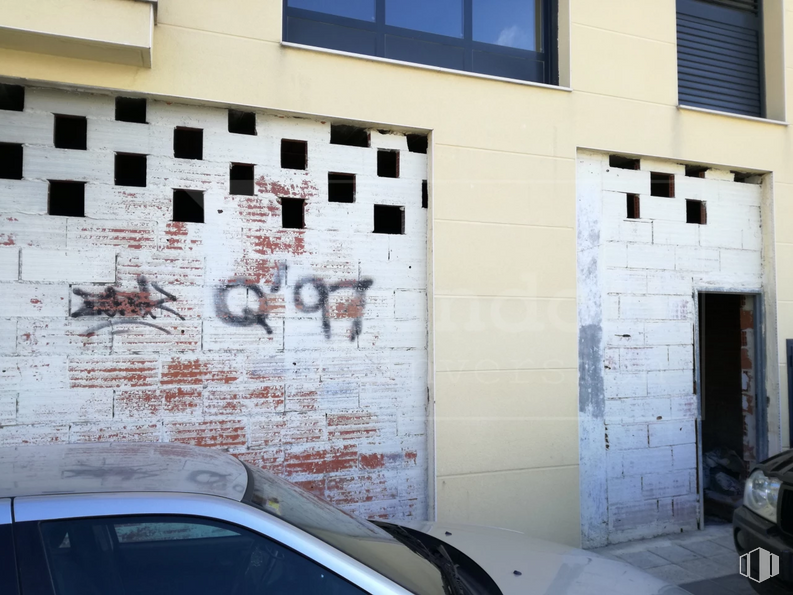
(169, 519)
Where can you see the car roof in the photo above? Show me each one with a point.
(119, 467)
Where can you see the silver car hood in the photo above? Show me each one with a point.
(545, 568)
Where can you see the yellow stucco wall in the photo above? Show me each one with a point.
(503, 208)
(117, 31)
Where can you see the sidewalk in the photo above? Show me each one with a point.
(702, 562)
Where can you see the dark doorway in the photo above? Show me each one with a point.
(727, 375)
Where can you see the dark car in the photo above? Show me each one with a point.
(766, 521)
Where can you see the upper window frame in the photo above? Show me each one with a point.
(720, 12)
(548, 57)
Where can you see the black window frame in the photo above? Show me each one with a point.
(422, 43)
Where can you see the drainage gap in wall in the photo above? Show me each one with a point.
(389, 219)
(418, 143)
(747, 178)
(241, 179)
(188, 206)
(387, 163)
(621, 162)
(71, 132)
(10, 161)
(294, 154)
(425, 194)
(341, 187)
(352, 136)
(696, 171)
(12, 97)
(131, 109)
(292, 213)
(633, 206)
(188, 143)
(66, 199)
(242, 122)
(696, 212)
(130, 170)
(662, 185)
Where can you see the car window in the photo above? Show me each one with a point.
(354, 536)
(8, 571)
(167, 555)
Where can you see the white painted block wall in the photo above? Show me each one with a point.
(343, 415)
(645, 273)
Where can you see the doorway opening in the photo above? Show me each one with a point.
(729, 372)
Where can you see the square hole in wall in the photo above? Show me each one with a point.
(696, 171)
(188, 143)
(633, 206)
(242, 122)
(71, 132)
(662, 185)
(352, 136)
(12, 97)
(294, 154)
(418, 143)
(241, 179)
(696, 212)
(10, 161)
(389, 219)
(66, 199)
(131, 109)
(188, 206)
(387, 163)
(130, 170)
(425, 194)
(293, 213)
(747, 177)
(621, 162)
(341, 187)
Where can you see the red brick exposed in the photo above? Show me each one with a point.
(102, 372)
(223, 433)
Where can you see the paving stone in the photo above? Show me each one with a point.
(674, 553)
(726, 585)
(672, 573)
(706, 568)
(707, 548)
(643, 560)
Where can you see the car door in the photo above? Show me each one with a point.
(8, 569)
(167, 544)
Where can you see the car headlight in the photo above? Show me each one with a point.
(760, 495)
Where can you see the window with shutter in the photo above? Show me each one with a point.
(719, 55)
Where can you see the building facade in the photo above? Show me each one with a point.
(513, 263)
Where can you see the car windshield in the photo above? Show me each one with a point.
(356, 537)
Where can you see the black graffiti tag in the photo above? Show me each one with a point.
(129, 306)
(247, 317)
(354, 309)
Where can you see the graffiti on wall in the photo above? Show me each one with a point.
(130, 306)
(352, 308)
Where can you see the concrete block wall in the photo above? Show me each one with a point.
(302, 351)
(638, 426)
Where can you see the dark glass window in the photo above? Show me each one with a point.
(444, 17)
(8, 571)
(509, 23)
(507, 38)
(159, 555)
(354, 9)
